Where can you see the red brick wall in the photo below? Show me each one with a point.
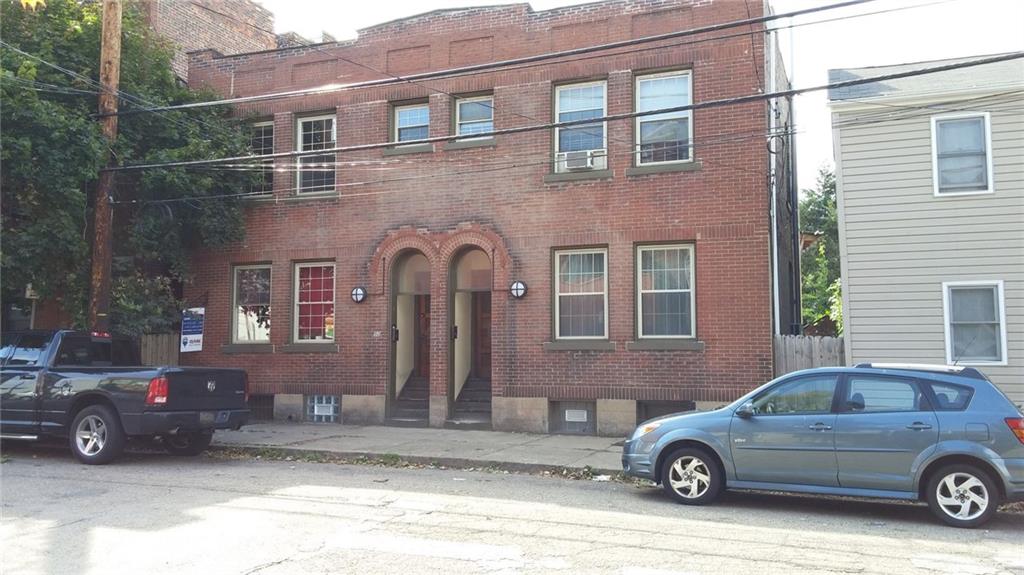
(496, 198)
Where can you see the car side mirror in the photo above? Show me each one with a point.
(746, 411)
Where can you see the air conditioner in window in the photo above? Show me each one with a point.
(580, 161)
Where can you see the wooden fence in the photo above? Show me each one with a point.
(795, 352)
(160, 348)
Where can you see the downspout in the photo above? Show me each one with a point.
(774, 179)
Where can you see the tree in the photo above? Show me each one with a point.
(819, 264)
(51, 149)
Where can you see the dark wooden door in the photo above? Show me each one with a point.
(481, 367)
(421, 341)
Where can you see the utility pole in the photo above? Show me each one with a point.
(110, 75)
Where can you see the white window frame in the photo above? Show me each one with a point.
(298, 147)
(234, 302)
(640, 291)
(394, 121)
(558, 331)
(988, 153)
(688, 114)
(604, 111)
(946, 316)
(458, 119)
(295, 300)
(268, 163)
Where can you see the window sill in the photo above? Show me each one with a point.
(955, 194)
(233, 348)
(474, 143)
(580, 345)
(262, 197)
(409, 149)
(665, 345)
(325, 347)
(299, 197)
(694, 166)
(577, 176)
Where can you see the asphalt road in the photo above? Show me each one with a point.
(152, 514)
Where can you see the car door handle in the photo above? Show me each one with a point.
(819, 427)
(27, 376)
(918, 426)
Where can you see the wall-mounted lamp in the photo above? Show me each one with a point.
(517, 289)
(358, 294)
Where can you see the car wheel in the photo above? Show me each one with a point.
(96, 436)
(962, 495)
(188, 443)
(691, 477)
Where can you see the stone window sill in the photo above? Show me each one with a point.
(665, 345)
(694, 166)
(233, 348)
(467, 144)
(310, 348)
(580, 345)
(409, 149)
(577, 176)
(311, 196)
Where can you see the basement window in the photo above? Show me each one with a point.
(322, 408)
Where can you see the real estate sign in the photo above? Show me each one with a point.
(192, 320)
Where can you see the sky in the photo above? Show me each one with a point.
(924, 30)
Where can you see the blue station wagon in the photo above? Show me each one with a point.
(941, 434)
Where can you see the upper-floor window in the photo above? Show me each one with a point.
(251, 318)
(581, 294)
(975, 322)
(961, 154)
(665, 303)
(411, 122)
(314, 302)
(474, 115)
(666, 137)
(583, 146)
(316, 173)
(261, 142)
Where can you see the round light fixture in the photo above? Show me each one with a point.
(358, 294)
(517, 289)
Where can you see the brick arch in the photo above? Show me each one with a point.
(394, 246)
(488, 241)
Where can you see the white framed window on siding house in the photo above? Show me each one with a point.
(975, 318)
(585, 146)
(411, 123)
(251, 296)
(962, 154)
(474, 115)
(664, 138)
(581, 294)
(665, 291)
(314, 303)
(261, 142)
(316, 173)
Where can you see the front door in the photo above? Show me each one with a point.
(790, 437)
(481, 363)
(19, 394)
(884, 426)
(421, 342)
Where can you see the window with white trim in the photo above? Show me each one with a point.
(261, 142)
(251, 296)
(581, 294)
(667, 137)
(412, 123)
(961, 156)
(975, 319)
(575, 102)
(316, 173)
(665, 281)
(314, 302)
(474, 115)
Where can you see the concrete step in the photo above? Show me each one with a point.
(463, 422)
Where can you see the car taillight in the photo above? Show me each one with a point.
(1016, 426)
(157, 394)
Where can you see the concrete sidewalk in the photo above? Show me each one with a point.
(514, 451)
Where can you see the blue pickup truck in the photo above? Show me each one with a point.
(89, 387)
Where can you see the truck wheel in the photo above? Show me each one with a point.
(96, 436)
(188, 443)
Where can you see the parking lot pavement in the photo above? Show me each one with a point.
(155, 514)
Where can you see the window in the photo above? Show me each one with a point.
(412, 123)
(580, 102)
(322, 408)
(314, 302)
(251, 317)
(664, 137)
(975, 322)
(581, 287)
(962, 162)
(87, 351)
(872, 393)
(949, 397)
(261, 142)
(665, 303)
(474, 115)
(805, 395)
(29, 349)
(316, 173)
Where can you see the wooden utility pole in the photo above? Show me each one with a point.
(110, 75)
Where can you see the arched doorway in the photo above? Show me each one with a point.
(409, 385)
(469, 378)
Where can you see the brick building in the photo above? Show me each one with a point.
(648, 246)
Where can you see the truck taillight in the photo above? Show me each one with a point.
(1016, 426)
(246, 387)
(157, 394)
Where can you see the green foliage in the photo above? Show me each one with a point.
(52, 149)
(819, 264)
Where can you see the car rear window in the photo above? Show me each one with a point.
(949, 397)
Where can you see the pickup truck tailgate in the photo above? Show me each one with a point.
(195, 388)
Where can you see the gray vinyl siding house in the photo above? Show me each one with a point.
(930, 190)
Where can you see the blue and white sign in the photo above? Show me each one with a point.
(192, 320)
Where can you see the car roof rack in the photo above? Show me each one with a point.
(960, 370)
